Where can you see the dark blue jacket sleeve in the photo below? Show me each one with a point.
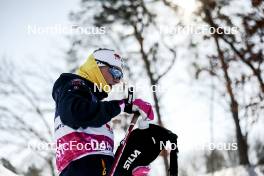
(78, 107)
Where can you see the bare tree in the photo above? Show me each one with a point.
(24, 113)
(230, 57)
(242, 53)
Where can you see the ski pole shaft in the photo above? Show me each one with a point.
(128, 108)
(121, 149)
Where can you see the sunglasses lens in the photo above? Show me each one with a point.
(117, 74)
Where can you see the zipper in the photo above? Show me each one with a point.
(104, 168)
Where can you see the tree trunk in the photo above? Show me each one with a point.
(242, 143)
(154, 93)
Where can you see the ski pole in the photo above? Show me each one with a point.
(124, 141)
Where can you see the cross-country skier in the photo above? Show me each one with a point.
(83, 136)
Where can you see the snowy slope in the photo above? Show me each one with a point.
(6, 172)
(239, 171)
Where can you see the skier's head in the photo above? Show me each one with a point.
(103, 67)
(110, 64)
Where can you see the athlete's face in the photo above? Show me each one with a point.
(108, 76)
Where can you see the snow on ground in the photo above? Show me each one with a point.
(6, 172)
(239, 171)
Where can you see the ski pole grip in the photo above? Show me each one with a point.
(129, 100)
